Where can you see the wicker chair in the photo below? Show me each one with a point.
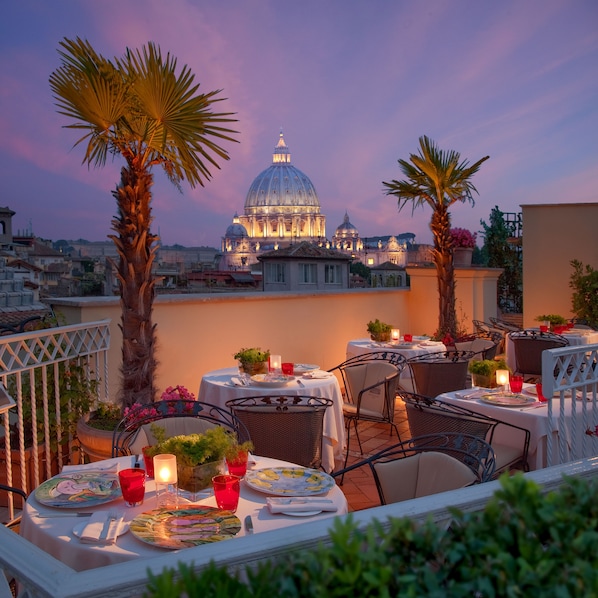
(529, 346)
(427, 465)
(436, 373)
(180, 416)
(370, 381)
(434, 416)
(284, 427)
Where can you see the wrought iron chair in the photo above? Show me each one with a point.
(481, 347)
(179, 416)
(502, 325)
(436, 373)
(529, 346)
(370, 381)
(13, 519)
(433, 416)
(427, 465)
(284, 427)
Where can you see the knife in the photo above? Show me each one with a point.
(48, 515)
(249, 524)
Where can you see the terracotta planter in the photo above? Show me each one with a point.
(96, 444)
(193, 480)
(462, 256)
(254, 367)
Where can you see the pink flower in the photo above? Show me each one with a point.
(462, 237)
(593, 432)
(176, 393)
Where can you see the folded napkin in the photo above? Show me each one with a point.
(317, 374)
(237, 381)
(475, 394)
(299, 505)
(94, 528)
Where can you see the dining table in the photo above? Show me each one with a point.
(419, 345)
(533, 416)
(575, 336)
(58, 530)
(219, 386)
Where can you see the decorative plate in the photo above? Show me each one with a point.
(531, 390)
(289, 481)
(300, 513)
(77, 489)
(271, 380)
(301, 368)
(185, 527)
(507, 400)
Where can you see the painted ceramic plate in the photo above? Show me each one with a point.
(186, 527)
(289, 481)
(271, 380)
(300, 513)
(78, 489)
(301, 368)
(507, 400)
(531, 390)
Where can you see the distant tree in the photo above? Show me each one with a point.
(439, 179)
(140, 108)
(498, 252)
(360, 269)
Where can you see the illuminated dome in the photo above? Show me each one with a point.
(346, 229)
(236, 229)
(282, 205)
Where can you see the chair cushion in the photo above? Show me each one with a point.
(174, 426)
(422, 474)
(365, 374)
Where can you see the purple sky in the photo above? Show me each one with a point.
(353, 84)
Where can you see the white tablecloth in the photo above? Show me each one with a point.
(575, 336)
(216, 388)
(365, 345)
(55, 535)
(533, 419)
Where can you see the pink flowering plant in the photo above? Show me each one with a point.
(461, 237)
(147, 413)
(593, 432)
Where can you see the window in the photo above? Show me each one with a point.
(332, 274)
(275, 273)
(307, 274)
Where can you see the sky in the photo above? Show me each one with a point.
(353, 84)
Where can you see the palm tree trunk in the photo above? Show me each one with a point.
(443, 259)
(136, 249)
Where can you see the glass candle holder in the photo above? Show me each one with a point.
(502, 378)
(165, 476)
(395, 334)
(275, 363)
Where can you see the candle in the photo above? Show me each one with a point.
(165, 469)
(502, 377)
(275, 363)
(395, 334)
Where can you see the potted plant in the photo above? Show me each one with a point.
(483, 373)
(554, 320)
(463, 242)
(253, 360)
(199, 456)
(379, 331)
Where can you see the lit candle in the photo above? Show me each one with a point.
(502, 377)
(395, 334)
(165, 469)
(275, 363)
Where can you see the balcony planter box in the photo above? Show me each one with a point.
(95, 443)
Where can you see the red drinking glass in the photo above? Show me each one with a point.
(227, 489)
(132, 485)
(149, 462)
(237, 465)
(288, 368)
(516, 383)
(408, 338)
(541, 397)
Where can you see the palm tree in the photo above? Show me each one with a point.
(437, 178)
(138, 107)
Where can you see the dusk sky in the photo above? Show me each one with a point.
(353, 85)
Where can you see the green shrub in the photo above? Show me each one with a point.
(523, 543)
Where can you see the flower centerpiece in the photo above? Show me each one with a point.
(379, 331)
(199, 456)
(483, 372)
(555, 321)
(253, 360)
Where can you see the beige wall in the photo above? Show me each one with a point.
(199, 333)
(553, 235)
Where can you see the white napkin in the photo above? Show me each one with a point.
(237, 381)
(299, 505)
(107, 466)
(92, 531)
(476, 394)
(317, 374)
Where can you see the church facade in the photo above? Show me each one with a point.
(282, 208)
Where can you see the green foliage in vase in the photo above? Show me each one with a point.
(524, 543)
(376, 327)
(554, 319)
(252, 355)
(584, 282)
(487, 367)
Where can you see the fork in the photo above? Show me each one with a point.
(112, 516)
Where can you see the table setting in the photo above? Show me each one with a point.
(105, 525)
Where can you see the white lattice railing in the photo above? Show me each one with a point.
(28, 363)
(570, 378)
